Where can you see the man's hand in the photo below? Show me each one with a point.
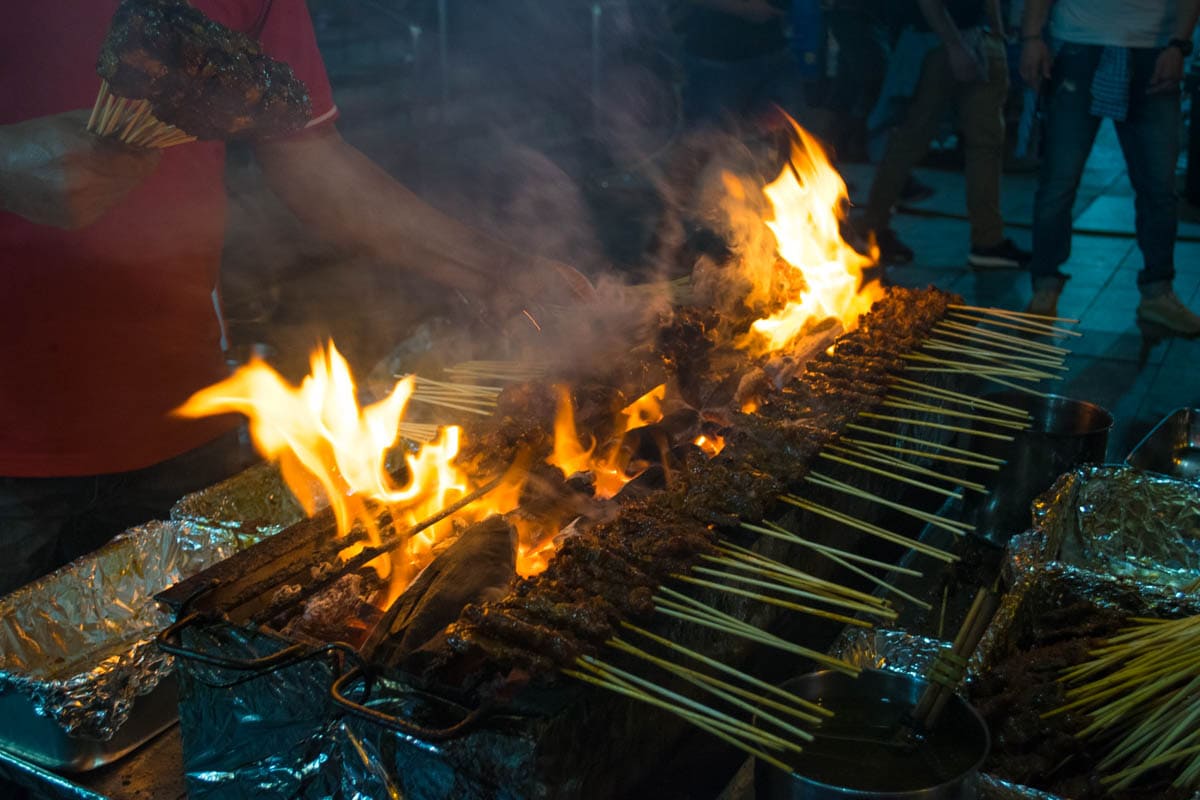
(1036, 62)
(1168, 71)
(964, 64)
(53, 172)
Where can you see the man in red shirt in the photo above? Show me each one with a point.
(108, 265)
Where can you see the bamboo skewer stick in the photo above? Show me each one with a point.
(1003, 359)
(986, 376)
(909, 405)
(739, 553)
(813, 713)
(95, 115)
(882, 458)
(1025, 325)
(447, 404)
(728, 692)
(951, 525)
(997, 346)
(874, 530)
(803, 609)
(974, 367)
(935, 445)
(836, 556)
(957, 398)
(911, 452)
(1004, 312)
(884, 473)
(805, 585)
(976, 332)
(669, 600)
(700, 721)
(938, 425)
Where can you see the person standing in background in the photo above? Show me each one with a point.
(1121, 60)
(969, 69)
(736, 59)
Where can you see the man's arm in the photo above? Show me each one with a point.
(53, 172)
(345, 198)
(963, 64)
(1168, 69)
(1036, 60)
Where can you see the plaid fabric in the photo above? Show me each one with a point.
(1110, 84)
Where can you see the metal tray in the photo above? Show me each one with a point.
(1172, 448)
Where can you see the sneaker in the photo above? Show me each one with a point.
(1169, 311)
(891, 249)
(1005, 255)
(914, 191)
(1044, 302)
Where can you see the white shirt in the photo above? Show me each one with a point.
(1123, 23)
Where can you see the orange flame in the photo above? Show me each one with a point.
(610, 469)
(808, 201)
(328, 447)
(711, 445)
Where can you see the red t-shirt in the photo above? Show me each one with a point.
(104, 330)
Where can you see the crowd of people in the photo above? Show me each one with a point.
(1088, 60)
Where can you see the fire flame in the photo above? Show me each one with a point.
(808, 201)
(610, 469)
(327, 447)
(711, 445)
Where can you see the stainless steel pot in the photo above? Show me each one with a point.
(1065, 434)
(854, 755)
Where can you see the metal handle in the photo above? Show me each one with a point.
(169, 640)
(392, 722)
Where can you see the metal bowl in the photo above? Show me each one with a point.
(1172, 448)
(853, 756)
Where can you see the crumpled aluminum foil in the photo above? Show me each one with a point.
(894, 651)
(79, 642)
(1116, 520)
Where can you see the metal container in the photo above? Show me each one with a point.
(851, 757)
(1065, 433)
(1172, 448)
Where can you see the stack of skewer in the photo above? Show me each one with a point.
(132, 122)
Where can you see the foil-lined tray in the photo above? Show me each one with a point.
(1116, 520)
(81, 682)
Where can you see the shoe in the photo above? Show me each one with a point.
(891, 249)
(1169, 311)
(914, 191)
(1005, 255)
(1044, 302)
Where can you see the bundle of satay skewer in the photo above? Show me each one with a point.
(994, 345)
(1141, 695)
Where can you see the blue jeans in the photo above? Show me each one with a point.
(1149, 139)
(741, 89)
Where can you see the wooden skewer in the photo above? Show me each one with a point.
(920, 453)
(708, 616)
(1004, 312)
(924, 424)
(802, 583)
(874, 530)
(883, 473)
(140, 109)
(836, 556)
(974, 367)
(953, 526)
(606, 670)
(775, 601)
(735, 552)
(935, 445)
(447, 404)
(1046, 361)
(995, 347)
(955, 398)
(736, 695)
(700, 721)
(899, 463)
(95, 115)
(813, 713)
(1025, 326)
(988, 336)
(911, 405)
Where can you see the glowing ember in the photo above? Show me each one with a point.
(711, 445)
(808, 202)
(327, 447)
(610, 469)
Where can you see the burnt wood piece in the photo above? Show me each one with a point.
(479, 566)
(198, 75)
